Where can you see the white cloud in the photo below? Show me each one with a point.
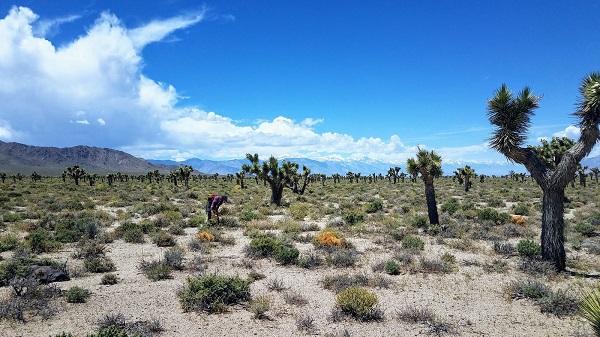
(157, 30)
(6, 132)
(570, 131)
(98, 77)
(51, 26)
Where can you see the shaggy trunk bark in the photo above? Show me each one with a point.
(553, 225)
(276, 193)
(431, 204)
(467, 185)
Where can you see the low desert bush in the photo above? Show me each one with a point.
(213, 293)
(77, 294)
(528, 248)
(156, 270)
(359, 303)
(109, 279)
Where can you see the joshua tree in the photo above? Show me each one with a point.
(173, 175)
(582, 175)
(595, 172)
(305, 180)
(394, 173)
(184, 173)
(35, 176)
(511, 116)
(277, 176)
(429, 166)
(465, 174)
(76, 173)
(240, 176)
(3, 177)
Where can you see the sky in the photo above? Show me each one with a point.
(335, 80)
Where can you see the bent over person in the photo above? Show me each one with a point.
(212, 205)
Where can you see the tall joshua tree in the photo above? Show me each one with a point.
(76, 173)
(511, 116)
(428, 164)
(184, 172)
(466, 174)
(3, 177)
(278, 177)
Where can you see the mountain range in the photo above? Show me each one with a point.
(24, 159)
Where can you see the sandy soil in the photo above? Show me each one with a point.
(471, 299)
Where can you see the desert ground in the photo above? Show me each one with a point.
(476, 274)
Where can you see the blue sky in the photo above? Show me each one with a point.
(331, 79)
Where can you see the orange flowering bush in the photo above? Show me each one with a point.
(518, 219)
(329, 238)
(205, 236)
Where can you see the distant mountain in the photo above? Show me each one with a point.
(591, 162)
(24, 159)
(331, 166)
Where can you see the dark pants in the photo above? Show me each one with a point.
(208, 208)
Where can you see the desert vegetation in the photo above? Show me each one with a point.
(299, 253)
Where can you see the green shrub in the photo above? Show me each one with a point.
(521, 209)
(490, 214)
(98, 264)
(374, 206)
(197, 220)
(109, 279)
(259, 306)
(286, 254)
(11, 217)
(299, 211)
(353, 217)
(413, 242)
(359, 303)
(392, 267)
(419, 221)
(263, 245)
(249, 215)
(528, 248)
(130, 232)
(342, 257)
(156, 270)
(174, 258)
(213, 293)
(531, 289)
(310, 260)
(163, 239)
(77, 294)
(41, 241)
(451, 206)
(585, 228)
(8, 242)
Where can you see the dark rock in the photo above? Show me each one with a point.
(48, 274)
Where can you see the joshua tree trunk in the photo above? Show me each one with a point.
(553, 227)
(431, 204)
(467, 184)
(276, 193)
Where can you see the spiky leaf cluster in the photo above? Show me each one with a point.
(589, 106)
(426, 163)
(511, 117)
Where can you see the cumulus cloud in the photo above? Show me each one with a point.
(570, 131)
(67, 95)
